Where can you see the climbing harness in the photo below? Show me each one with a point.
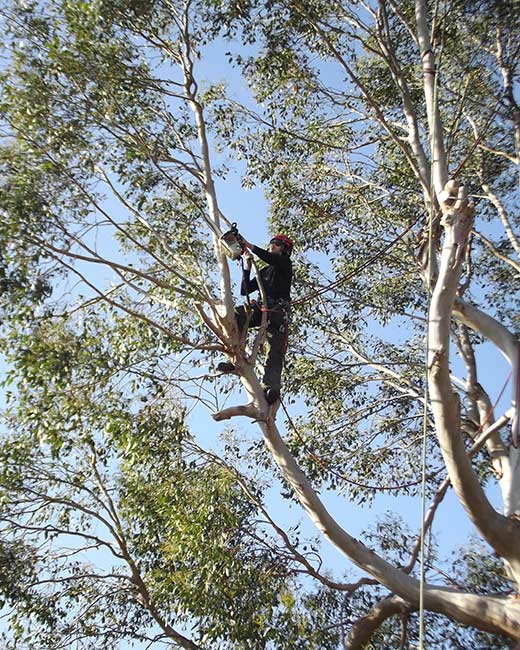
(274, 306)
(284, 305)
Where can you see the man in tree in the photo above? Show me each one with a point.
(276, 279)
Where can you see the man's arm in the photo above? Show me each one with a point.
(269, 258)
(248, 286)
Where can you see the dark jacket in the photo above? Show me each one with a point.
(276, 277)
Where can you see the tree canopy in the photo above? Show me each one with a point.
(385, 136)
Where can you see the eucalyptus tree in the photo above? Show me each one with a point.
(117, 522)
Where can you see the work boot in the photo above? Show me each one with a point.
(226, 366)
(271, 395)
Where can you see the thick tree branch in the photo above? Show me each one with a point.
(246, 410)
(502, 615)
(430, 72)
(363, 629)
(190, 88)
(486, 325)
(504, 340)
(500, 532)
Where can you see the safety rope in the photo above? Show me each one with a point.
(341, 476)
(357, 269)
(245, 278)
(426, 367)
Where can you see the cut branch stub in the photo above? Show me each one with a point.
(457, 218)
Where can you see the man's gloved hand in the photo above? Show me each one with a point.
(242, 241)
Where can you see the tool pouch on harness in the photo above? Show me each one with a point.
(231, 242)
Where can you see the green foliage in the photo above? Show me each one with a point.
(192, 533)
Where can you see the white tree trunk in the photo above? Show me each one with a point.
(500, 532)
(510, 484)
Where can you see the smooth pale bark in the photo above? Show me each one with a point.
(495, 614)
(504, 218)
(480, 410)
(504, 341)
(504, 461)
(190, 87)
(501, 615)
(509, 89)
(510, 484)
(500, 532)
(508, 345)
(496, 449)
(440, 169)
(381, 118)
(489, 327)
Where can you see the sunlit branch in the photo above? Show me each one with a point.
(430, 72)
(441, 491)
(508, 76)
(363, 628)
(80, 576)
(140, 218)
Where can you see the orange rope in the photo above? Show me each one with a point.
(328, 468)
(361, 267)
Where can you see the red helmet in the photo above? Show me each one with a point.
(286, 241)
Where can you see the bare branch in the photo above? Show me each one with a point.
(246, 410)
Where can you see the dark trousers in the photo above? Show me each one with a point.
(275, 338)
